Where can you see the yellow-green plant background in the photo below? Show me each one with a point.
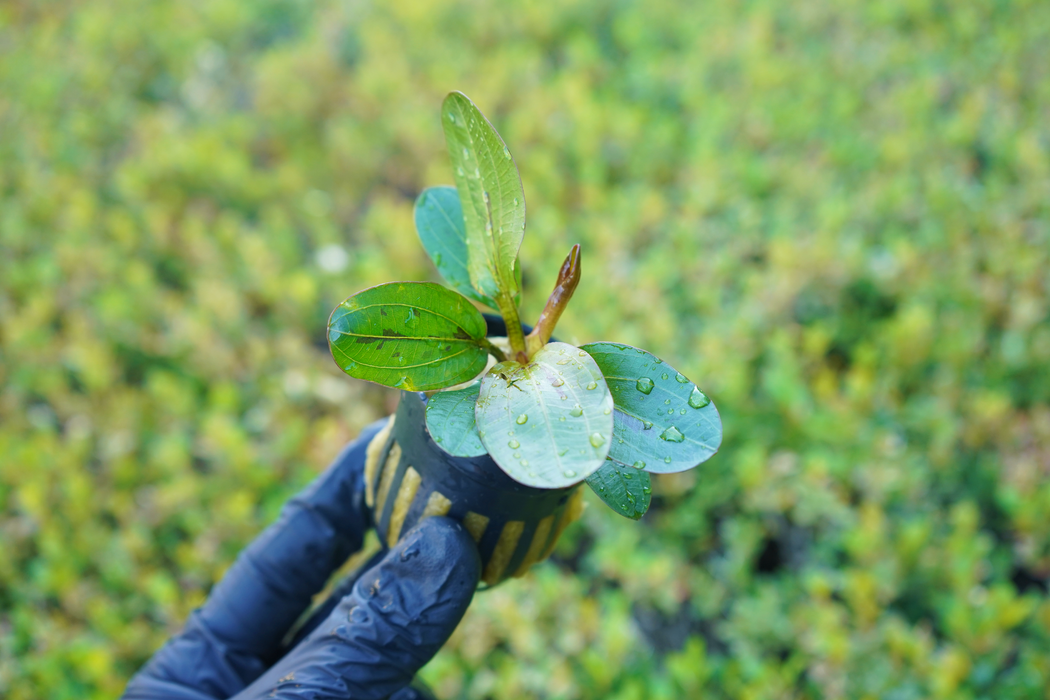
(832, 215)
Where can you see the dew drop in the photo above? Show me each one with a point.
(522, 419)
(477, 173)
(597, 440)
(562, 362)
(672, 434)
(647, 490)
(670, 411)
(607, 411)
(628, 475)
(644, 385)
(647, 425)
(516, 455)
(576, 411)
(466, 153)
(506, 154)
(403, 382)
(513, 444)
(698, 399)
(557, 381)
(460, 171)
(667, 402)
(583, 354)
(639, 465)
(667, 460)
(562, 453)
(680, 378)
(658, 361)
(663, 376)
(569, 473)
(561, 418)
(516, 201)
(452, 117)
(682, 411)
(524, 462)
(437, 439)
(592, 385)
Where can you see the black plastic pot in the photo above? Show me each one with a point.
(409, 477)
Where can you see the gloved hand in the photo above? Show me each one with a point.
(394, 619)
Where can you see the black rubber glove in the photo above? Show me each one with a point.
(396, 617)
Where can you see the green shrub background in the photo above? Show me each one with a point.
(835, 216)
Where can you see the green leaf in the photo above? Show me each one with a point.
(548, 423)
(439, 223)
(664, 423)
(415, 336)
(450, 420)
(624, 489)
(491, 195)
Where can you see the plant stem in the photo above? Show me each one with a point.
(493, 350)
(509, 310)
(568, 278)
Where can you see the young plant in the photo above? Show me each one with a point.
(549, 414)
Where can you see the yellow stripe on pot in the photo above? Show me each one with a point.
(405, 496)
(437, 504)
(508, 542)
(475, 524)
(387, 478)
(539, 540)
(372, 454)
(573, 511)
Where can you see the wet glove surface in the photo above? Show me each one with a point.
(396, 617)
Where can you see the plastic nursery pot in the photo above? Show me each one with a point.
(408, 477)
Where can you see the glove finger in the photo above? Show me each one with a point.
(395, 619)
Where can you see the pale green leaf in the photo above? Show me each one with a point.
(624, 489)
(548, 423)
(439, 223)
(450, 421)
(664, 422)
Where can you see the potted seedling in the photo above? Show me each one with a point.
(499, 433)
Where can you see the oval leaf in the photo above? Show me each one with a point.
(450, 420)
(491, 195)
(439, 223)
(664, 423)
(624, 489)
(548, 423)
(408, 335)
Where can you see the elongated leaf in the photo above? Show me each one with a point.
(439, 223)
(409, 335)
(548, 423)
(450, 420)
(624, 489)
(491, 195)
(664, 423)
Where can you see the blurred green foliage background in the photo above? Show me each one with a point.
(835, 216)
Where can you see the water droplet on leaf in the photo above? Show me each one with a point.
(698, 399)
(506, 154)
(647, 425)
(576, 411)
(557, 381)
(513, 444)
(569, 473)
(592, 386)
(597, 440)
(644, 385)
(672, 434)
(639, 465)
(522, 419)
(680, 378)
